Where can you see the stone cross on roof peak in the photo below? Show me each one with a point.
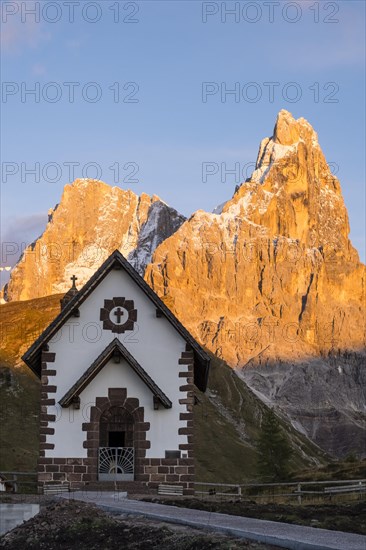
(73, 279)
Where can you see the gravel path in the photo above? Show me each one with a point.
(294, 537)
(76, 525)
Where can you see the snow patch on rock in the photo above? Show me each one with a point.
(162, 221)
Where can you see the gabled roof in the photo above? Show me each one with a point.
(113, 349)
(117, 261)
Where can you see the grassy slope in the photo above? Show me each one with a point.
(227, 425)
(20, 324)
(19, 405)
(227, 417)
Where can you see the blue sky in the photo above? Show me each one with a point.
(162, 130)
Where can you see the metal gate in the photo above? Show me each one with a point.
(116, 463)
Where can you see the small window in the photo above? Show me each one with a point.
(116, 439)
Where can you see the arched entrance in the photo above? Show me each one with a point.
(116, 445)
(101, 463)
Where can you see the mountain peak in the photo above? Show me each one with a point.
(286, 131)
(292, 192)
(85, 182)
(91, 220)
(289, 131)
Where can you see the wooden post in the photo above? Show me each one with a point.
(299, 493)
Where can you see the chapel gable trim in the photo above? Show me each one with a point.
(117, 261)
(114, 350)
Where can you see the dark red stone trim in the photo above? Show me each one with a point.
(152, 471)
(113, 348)
(109, 305)
(44, 430)
(48, 357)
(68, 470)
(49, 389)
(202, 360)
(46, 400)
(117, 397)
(185, 360)
(187, 389)
(179, 471)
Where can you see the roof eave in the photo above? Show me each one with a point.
(100, 362)
(32, 357)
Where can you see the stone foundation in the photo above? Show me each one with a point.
(78, 472)
(173, 471)
(151, 471)
(75, 471)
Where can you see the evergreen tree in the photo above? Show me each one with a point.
(273, 448)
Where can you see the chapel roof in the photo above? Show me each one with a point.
(69, 294)
(116, 260)
(115, 350)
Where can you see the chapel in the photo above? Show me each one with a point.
(117, 372)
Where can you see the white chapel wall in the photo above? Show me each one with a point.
(155, 344)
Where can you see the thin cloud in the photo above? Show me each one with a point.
(39, 70)
(74, 44)
(18, 233)
(15, 36)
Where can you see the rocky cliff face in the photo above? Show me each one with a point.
(275, 279)
(270, 282)
(274, 273)
(324, 397)
(162, 221)
(91, 221)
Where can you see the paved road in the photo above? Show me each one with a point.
(284, 535)
(12, 515)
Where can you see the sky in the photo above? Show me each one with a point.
(145, 94)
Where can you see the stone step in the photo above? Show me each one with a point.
(131, 487)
